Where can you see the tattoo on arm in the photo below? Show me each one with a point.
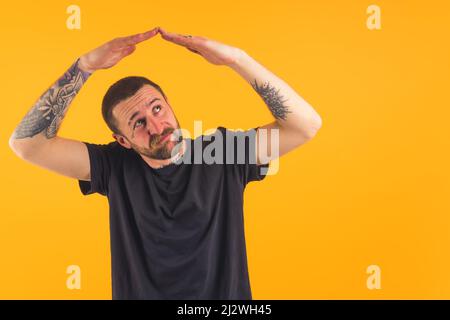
(273, 100)
(48, 112)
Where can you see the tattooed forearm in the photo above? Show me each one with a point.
(273, 99)
(46, 115)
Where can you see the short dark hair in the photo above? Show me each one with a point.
(119, 91)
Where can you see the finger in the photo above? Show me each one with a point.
(176, 38)
(139, 37)
(129, 50)
(194, 51)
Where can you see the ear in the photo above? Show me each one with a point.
(122, 140)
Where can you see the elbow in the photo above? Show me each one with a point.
(16, 147)
(317, 123)
(11, 143)
(314, 125)
(13, 146)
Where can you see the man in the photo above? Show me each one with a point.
(177, 228)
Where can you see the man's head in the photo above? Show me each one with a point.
(138, 113)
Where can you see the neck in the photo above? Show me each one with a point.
(157, 164)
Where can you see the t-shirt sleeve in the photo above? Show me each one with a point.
(101, 157)
(244, 154)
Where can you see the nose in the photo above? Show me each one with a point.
(155, 127)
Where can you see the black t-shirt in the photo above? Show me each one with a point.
(176, 232)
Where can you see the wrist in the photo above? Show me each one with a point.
(240, 57)
(84, 66)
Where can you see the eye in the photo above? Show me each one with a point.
(156, 109)
(138, 123)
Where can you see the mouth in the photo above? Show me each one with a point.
(166, 137)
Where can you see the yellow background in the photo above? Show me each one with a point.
(371, 188)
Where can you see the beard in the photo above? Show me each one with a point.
(164, 150)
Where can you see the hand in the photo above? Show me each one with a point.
(110, 53)
(213, 51)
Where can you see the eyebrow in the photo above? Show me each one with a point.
(134, 115)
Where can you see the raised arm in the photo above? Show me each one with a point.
(35, 138)
(295, 120)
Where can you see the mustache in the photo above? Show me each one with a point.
(156, 138)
